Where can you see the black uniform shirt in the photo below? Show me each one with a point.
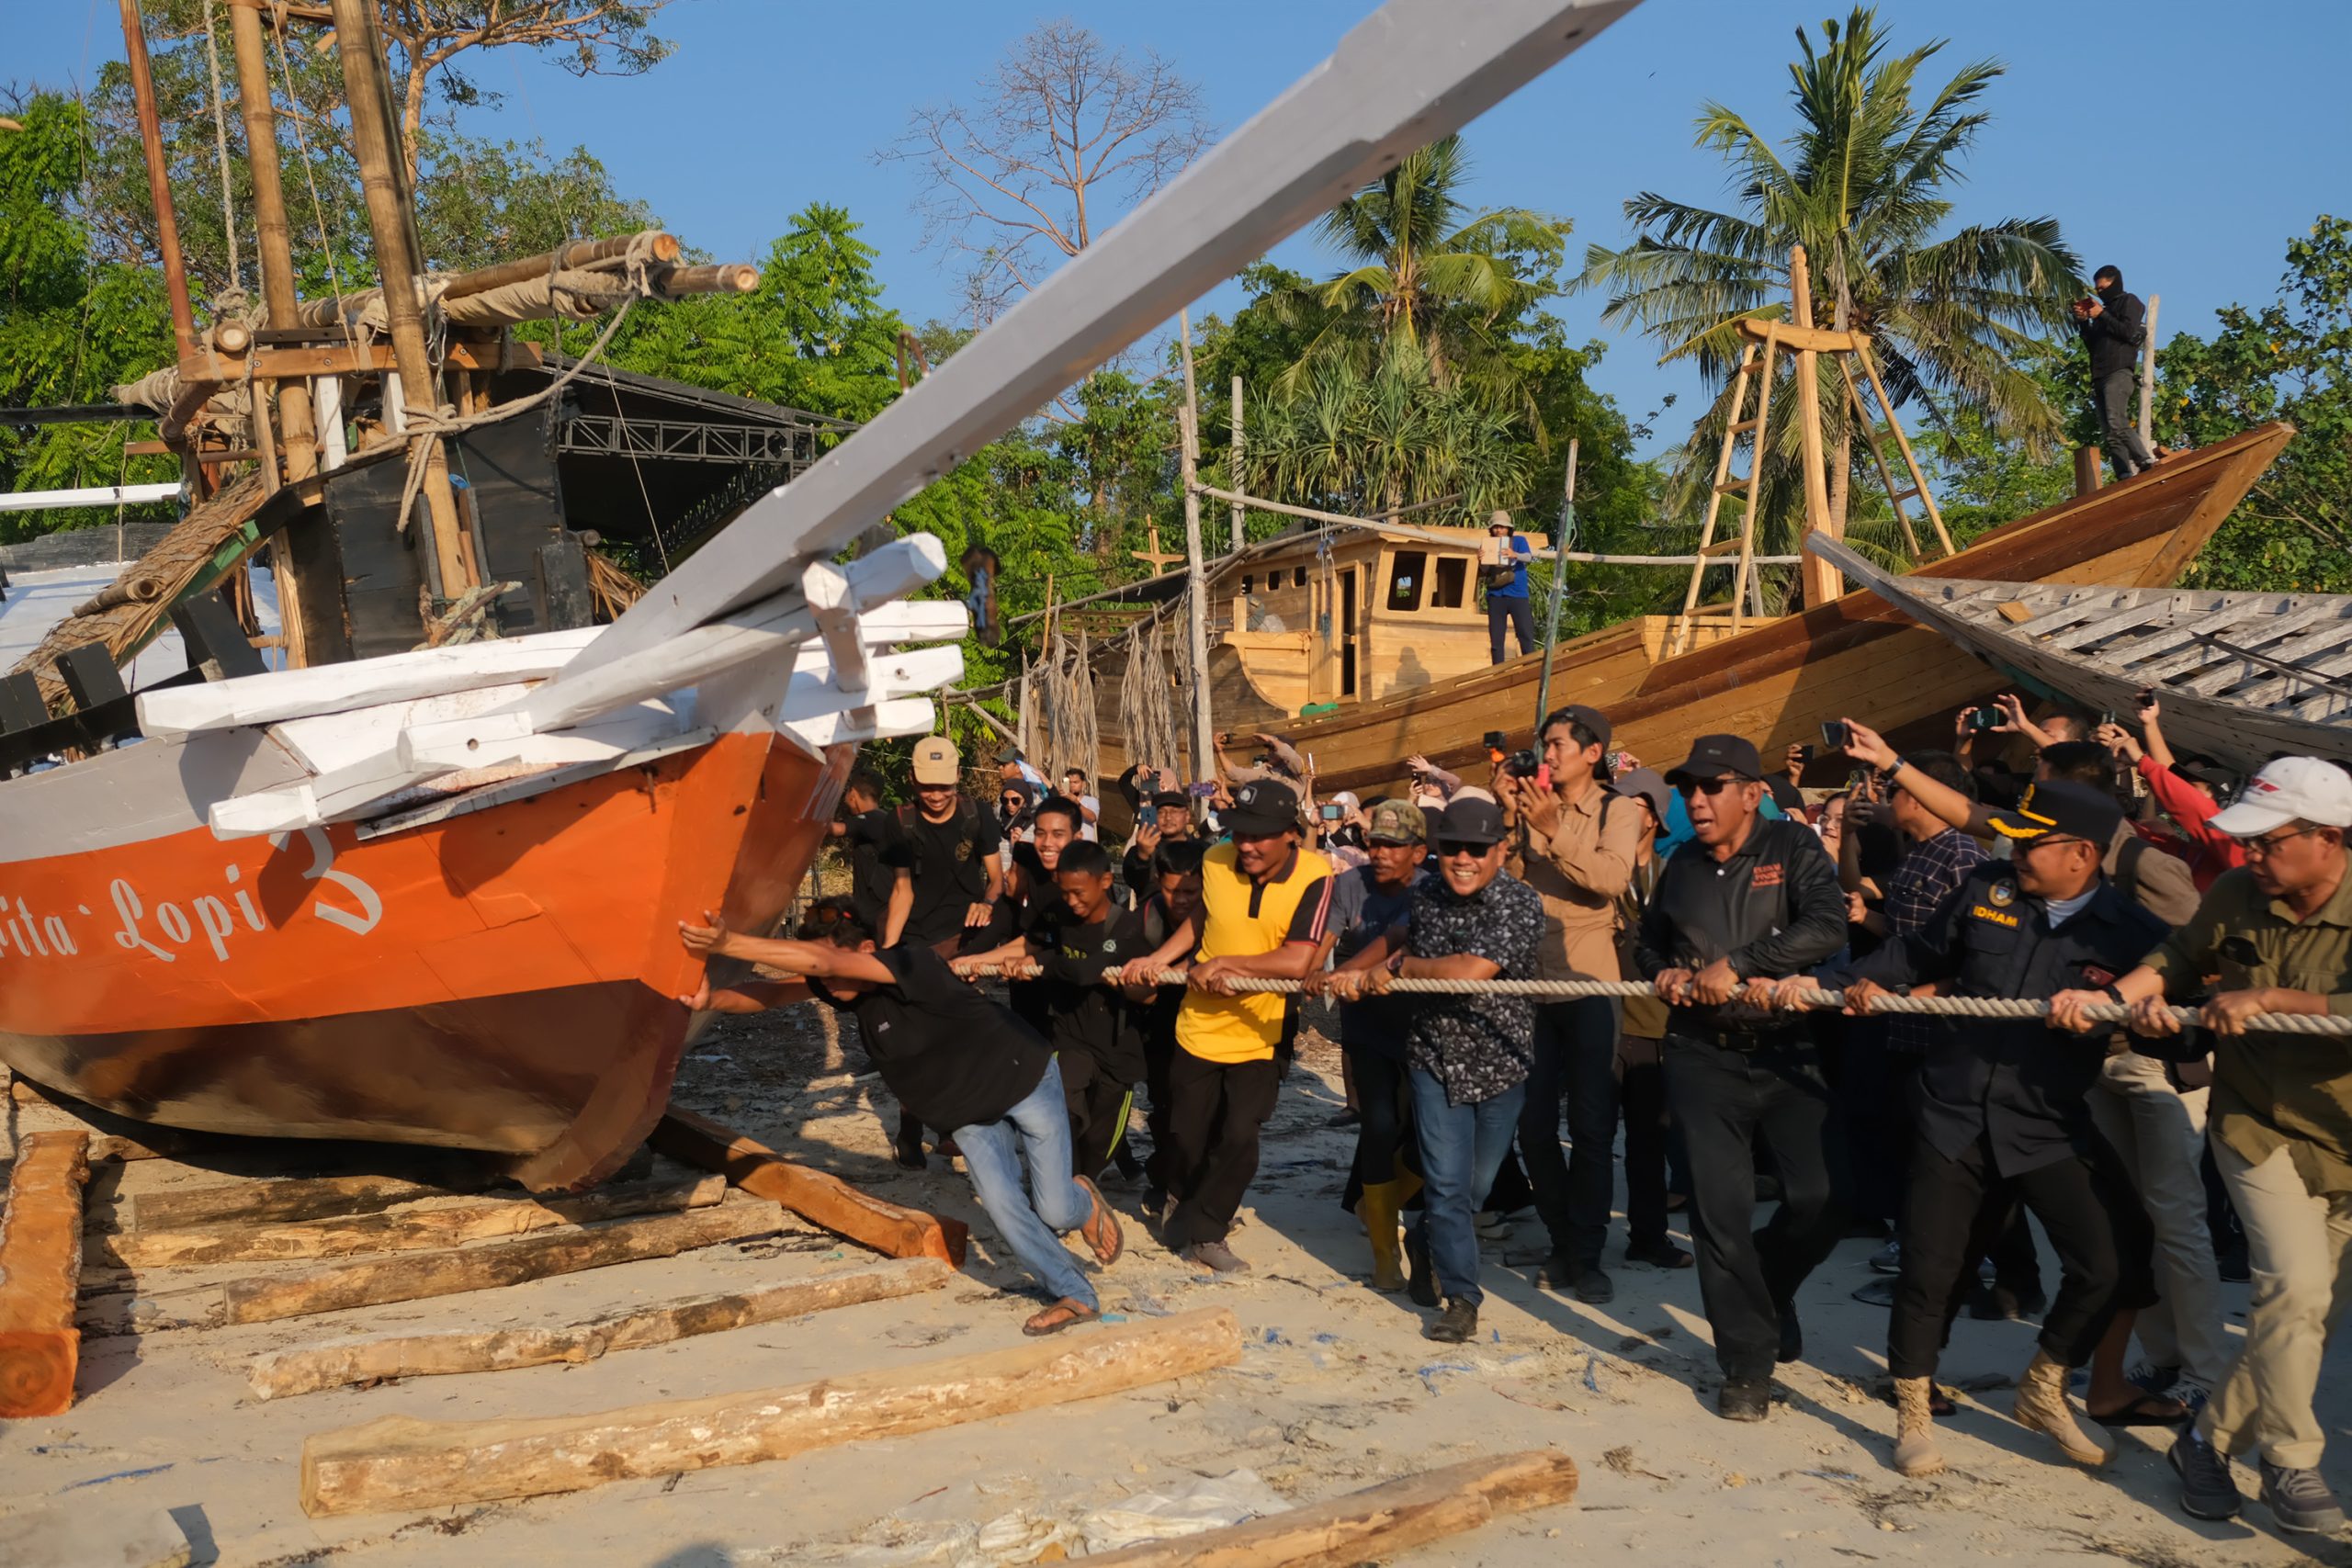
(2020, 1081)
(948, 862)
(876, 851)
(950, 1055)
(1773, 909)
(1087, 1017)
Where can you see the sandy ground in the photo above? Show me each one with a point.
(1336, 1391)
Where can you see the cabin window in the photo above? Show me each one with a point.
(1249, 581)
(1298, 577)
(1452, 583)
(1406, 570)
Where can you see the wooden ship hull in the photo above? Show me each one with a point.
(1775, 680)
(2242, 677)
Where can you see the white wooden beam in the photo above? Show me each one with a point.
(1413, 71)
(97, 495)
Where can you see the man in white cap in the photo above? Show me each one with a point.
(1502, 572)
(2279, 932)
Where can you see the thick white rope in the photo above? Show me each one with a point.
(2002, 1008)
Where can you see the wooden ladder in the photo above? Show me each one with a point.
(1754, 369)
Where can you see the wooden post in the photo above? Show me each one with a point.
(272, 240)
(819, 1199)
(1196, 575)
(1373, 1525)
(307, 1369)
(400, 1463)
(1560, 538)
(158, 184)
(1823, 581)
(2089, 476)
(2148, 378)
(1241, 484)
(40, 1274)
(396, 263)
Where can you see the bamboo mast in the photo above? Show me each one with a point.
(396, 264)
(159, 187)
(298, 436)
(1823, 581)
(1196, 589)
(1234, 462)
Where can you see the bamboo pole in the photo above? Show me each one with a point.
(1234, 464)
(396, 264)
(1560, 591)
(579, 253)
(1196, 574)
(273, 239)
(158, 184)
(2148, 378)
(1823, 581)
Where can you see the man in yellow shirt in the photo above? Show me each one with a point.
(1264, 903)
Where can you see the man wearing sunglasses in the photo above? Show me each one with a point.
(2003, 1110)
(1746, 899)
(2278, 931)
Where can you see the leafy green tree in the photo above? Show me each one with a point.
(1361, 443)
(1860, 184)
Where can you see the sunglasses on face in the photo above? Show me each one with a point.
(1689, 787)
(1448, 850)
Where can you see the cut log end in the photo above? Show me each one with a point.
(40, 1268)
(37, 1367)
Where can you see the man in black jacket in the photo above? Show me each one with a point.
(2114, 324)
(2003, 1110)
(1747, 899)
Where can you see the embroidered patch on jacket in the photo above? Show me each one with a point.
(2003, 893)
(1767, 876)
(1994, 915)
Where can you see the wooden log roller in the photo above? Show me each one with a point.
(40, 1271)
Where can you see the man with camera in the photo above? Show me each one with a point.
(1502, 572)
(1745, 900)
(2113, 325)
(1578, 845)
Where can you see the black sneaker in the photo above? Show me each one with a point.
(1791, 1333)
(1583, 1279)
(1457, 1325)
(1744, 1399)
(1879, 1292)
(2234, 1265)
(2208, 1490)
(1659, 1254)
(1420, 1284)
(2298, 1500)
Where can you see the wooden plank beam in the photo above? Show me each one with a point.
(435, 1223)
(41, 1273)
(819, 1199)
(297, 1198)
(404, 1463)
(307, 1369)
(1818, 340)
(1374, 1524)
(374, 358)
(377, 1281)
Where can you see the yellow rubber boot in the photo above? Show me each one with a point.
(1378, 1209)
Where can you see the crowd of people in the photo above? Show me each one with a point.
(2106, 876)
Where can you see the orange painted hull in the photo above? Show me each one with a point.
(504, 980)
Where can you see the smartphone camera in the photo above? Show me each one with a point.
(1332, 813)
(1984, 719)
(1833, 734)
(1497, 742)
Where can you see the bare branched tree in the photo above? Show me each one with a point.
(1060, 140)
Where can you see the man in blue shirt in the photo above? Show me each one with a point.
(1502, 572)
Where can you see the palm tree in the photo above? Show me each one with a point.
(1426, 274)
(1859, 184)
(1364, 440)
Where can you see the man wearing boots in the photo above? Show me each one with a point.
(1744, 899)
(1468, 1053)
(2004, 1110)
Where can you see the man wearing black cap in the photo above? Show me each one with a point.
(1264, 905)
(1170, 821)
(1746, 899)
(1579, 853)
(2004, 1111)
(1469, 1054)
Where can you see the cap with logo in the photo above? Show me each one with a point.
(1397, 822)
(2291, 789)
(1175, 797)
(1261, 806)
(2060, 808)
(1592, 721)
(1712, 756)
(936, 761)
(1466, 820)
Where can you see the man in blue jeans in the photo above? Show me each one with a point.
(1467, 1054)
(1502, 572)
(954, 1059)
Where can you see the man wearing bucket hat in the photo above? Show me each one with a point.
(2002, 1109)
(2278, 931)
(1502, 572)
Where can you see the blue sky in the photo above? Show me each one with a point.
(2184, 142)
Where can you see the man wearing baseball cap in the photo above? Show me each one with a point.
(2003, 1109)
(1744, 899)
(1502, 570)
(1367, 902)
(1264, 905)
(2278, 931)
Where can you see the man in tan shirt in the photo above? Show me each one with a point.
(1577, 847)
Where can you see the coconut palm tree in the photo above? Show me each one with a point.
(1860, 185)
(1426, 273)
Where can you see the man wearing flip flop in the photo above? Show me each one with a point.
(955, 1059)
